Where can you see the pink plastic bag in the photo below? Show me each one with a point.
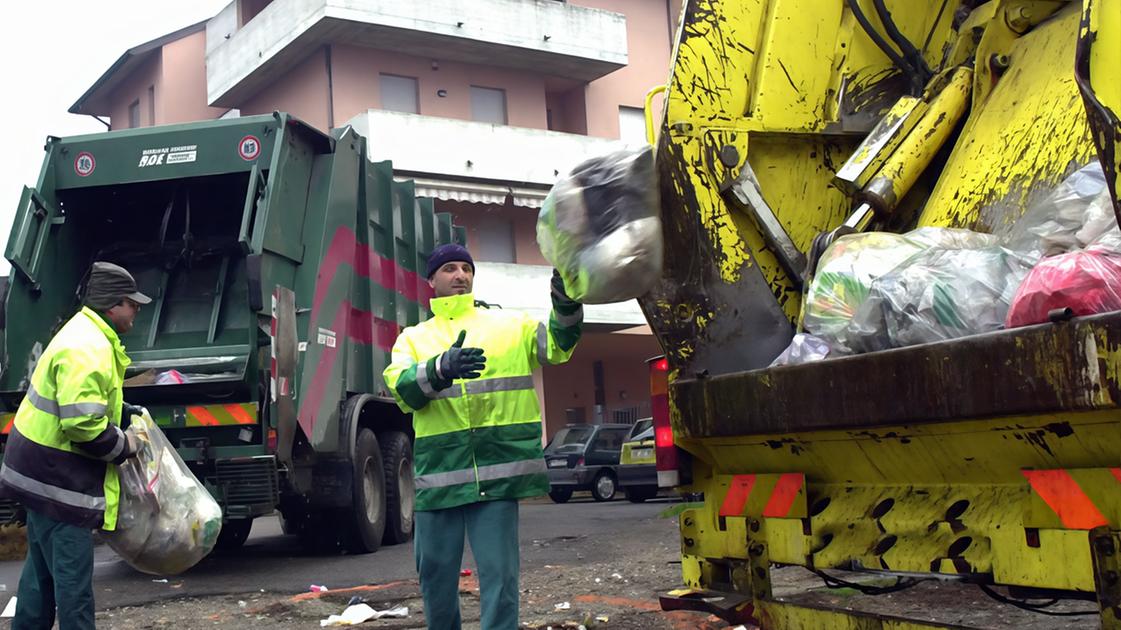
(1088, 282)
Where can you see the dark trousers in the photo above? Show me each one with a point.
(492, 530)
(58, 573)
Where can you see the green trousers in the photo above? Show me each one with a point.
(58, 573)
(492, 529)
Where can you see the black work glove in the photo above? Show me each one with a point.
(460, 362)
(561, 302)
(128, 411)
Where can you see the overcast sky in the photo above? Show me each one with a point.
(53, 50)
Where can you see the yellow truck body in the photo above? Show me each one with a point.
(993, 459)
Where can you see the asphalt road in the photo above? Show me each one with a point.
(270, 561)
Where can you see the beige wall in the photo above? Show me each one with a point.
(183, 93)
(302, 92)
(625, 374)
(135, 88)
(648, 62)
(355, 73)
(178, 74)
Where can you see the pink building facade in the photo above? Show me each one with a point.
(485, 105)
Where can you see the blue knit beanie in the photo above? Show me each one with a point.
(446, 254)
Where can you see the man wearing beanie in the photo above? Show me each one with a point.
(466, 375)
(61, 454)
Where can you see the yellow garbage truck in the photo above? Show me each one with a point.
(993, 460)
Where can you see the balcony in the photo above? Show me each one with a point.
(545, 36)
(526, 288)
(484, 160)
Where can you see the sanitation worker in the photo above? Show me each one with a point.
(466, 375)
(66, 438)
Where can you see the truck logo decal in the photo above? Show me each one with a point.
(168, 155)
(84, 164)
(249, 148)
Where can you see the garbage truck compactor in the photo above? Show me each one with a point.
(990, 459)
(282, 263)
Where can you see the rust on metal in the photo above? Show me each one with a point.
(1046, 369)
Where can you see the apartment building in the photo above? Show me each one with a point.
(484, 103)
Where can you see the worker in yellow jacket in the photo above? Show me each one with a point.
(60, 456)
(466, 375)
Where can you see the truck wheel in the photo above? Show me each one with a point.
(560, 495)
(603, 487)
(400, 492)
(639, 494)
(234, 534)
(367, 522)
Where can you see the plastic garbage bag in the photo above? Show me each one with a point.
(848, 268)
(938, 294)
(805, 348)
(600, 228)
(1087, 282)
(1074, 215)
(843, 276)
(167, 520)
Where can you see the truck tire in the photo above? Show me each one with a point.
(604, 486)
(367, 514)
(400, 491)
(560, 495)
(234, 534)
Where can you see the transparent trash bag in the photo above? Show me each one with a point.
(167, 520)
(938, 294)
(1075, 215)
(848, 268)
(1087, 282)
(600, 227)
(805, 348)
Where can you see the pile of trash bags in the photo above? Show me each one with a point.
(167, 521)
(876, 291)
(600, 228)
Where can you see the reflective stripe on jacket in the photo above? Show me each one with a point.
(479, 439)
(66, 436)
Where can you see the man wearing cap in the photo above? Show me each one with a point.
(60, 456)
(466, 375)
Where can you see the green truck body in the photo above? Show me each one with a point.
(282, 264)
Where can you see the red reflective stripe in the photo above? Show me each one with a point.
(782, 499)
(345, 248)
(241, 416)
(738, 492)
(1064, 496)
(203, 416)
(8, 426)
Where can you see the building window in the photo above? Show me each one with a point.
(488, 105)
(494, 240)
(399, 94)
(632, 125)
(134, 114)
(151, 105)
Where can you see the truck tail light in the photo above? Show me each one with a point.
(665, 452)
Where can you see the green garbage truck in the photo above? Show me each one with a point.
(282, 264)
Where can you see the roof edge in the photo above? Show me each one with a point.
(135, 51)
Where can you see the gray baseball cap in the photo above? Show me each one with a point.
(109, 284)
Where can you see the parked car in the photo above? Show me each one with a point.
(637, 473)
(584, 457)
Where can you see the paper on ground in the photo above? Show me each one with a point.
(360, 613)
(10, 609)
